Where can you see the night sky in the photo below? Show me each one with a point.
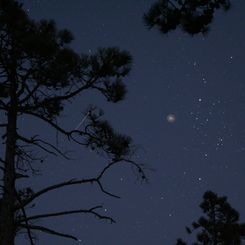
(199, 81)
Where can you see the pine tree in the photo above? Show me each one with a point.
(192, 16)
(39, 74)
(219, 226)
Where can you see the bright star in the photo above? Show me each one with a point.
(171, 118)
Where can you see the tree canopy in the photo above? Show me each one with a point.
(192, 16)
(39, 74)
(219, 226)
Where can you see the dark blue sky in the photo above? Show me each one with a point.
(199, 79)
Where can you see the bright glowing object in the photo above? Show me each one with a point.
(171, 118)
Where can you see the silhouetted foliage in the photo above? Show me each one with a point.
(220, 224)
(180, 242)
(39, 74)
(192, 16)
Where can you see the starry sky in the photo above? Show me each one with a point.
(197, 81)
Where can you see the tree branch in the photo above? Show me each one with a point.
(51, 123)
(173, 5)
(68, 134)
(49, 231)
(54, 187)
(59, 97)
(86, 211)
(37, 142)
(26, 221)
(4, 162)
(72, 94)
(84, 181)
(31, 93)
(4, 106)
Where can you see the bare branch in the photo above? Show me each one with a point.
(106, 192)
(131, 162)
(31, 92)
(84, 181)
(19, 176)
(50, 122)
(32, 141)
(63, 154)
(25, 158)
(86, 211)
(54, 187)
(49, 231)
(38, 142)
(26, 221)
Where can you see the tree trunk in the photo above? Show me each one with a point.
(7, 213)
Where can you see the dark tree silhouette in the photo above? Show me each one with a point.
(192, 16)
(39, 73)
(181, 242)
(220, 224)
